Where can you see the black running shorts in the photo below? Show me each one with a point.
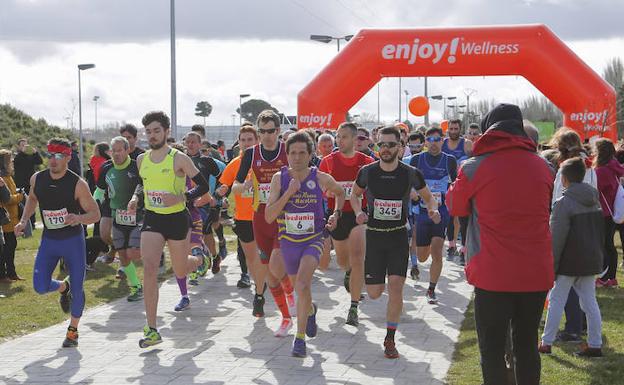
(387, 253)
(244, 230)
(174, 226)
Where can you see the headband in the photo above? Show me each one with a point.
(59, 148)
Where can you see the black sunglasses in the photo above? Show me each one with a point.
(267, 130)
(388, 144)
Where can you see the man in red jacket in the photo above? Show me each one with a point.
(505, 189)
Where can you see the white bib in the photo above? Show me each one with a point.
(247, 193)
(54, 219)
(299, 223)
(387, 210)
(155, 198)
(263, 191)
(125, 217)
(347, 186)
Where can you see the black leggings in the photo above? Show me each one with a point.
(7, 255)
(610, 252)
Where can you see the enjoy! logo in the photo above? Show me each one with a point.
(591, 120)
(437, 51)
(316, 120)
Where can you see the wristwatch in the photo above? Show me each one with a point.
(339, 212)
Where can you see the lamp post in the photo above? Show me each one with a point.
(468, 92)
(406, 95)
(400, 120)
(95, 100)
(328, 39)
(240, 106)
(172, 42)
(81, 67)
(443, 98)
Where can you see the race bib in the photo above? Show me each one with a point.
(263, 191)
(155, 198)
(247, 193)
(436, 195)
(54, 219)
(299, 223)
(347, 186)
(387, 210)
(125, 217)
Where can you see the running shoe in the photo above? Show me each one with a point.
(216, 264)
(71, 338)
(450, 254)
(121, 274)
(244, 282)
(258, 306)
(431, 297)
(184, 304)
(390, 350)
(542, 348)
(601, 283)
(415, 273)
(612, 283)
(65, 300)
(292, 304)
(299, 348)
(347, 277)
(588, 352)
(352, 317)
(193, 278)
(285, 326)
(462, 258)
(222, 250)
(151, 337)
(311, 326)
(206, 265)
(563, 336)
(136, 293)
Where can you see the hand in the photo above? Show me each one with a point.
(414, 195)
(293, 187)
(19, 229)
(132, 205)
(222, 190)
(225, 203)
(248, 184)
(212, 202)
(332, 222)
(434, 215)
(171, 199)
(72, 219)
(361, 218)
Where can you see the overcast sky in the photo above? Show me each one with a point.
(225, 48)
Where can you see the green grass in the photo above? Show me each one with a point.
(24, 311)
(562, 367)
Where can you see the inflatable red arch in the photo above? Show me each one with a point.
(531, 51)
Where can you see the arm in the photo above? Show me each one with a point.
(241, 183)
(138, 190)
(432, 204)
(361, 181)
(5, 194)
(559, 227)
(276, 203)
(37, 158)
(468, 147)
(29, 208)
(328, 184)
(201, 184)
(452, 168)
(88, 204)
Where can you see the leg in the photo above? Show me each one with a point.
(253, 261)
(240, 254)
(493, 313)
(556, 302)
(325, 257)
(586, 290)
(303, 283)
(75, 260)
(437, 245)
(152, 245)
(574, 315)
(8, 252)
(610, 256)
(395, 298)
(357, 246)
(45, 263)
(342, 253)
(525, 324)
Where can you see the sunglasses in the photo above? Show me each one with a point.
(434, 139)
(362, 137)
(267, 130)
(388, 144)
(415, 145)
(56, 155)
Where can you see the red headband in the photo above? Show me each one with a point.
(59, 148)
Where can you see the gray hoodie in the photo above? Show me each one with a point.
(577, 228)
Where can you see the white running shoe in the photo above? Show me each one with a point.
(291, 301)
(284, 327)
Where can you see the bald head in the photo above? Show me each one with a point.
(531, 131)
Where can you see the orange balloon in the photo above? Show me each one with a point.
(444, 125)
(419, 106)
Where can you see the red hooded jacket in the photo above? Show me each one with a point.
(505, 189)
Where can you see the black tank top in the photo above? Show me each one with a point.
(57, 198)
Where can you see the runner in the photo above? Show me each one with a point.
(461, 149)
(416, 143)
(243, 210)
(296, 201)
(389, 185)
(119, 179)
(325, 144)
(364, 144)
(61, 196)
(348, 237)
(264, 160)
(163, 171)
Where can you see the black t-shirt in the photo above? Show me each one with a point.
(57, 198)
(206, 166)
(136, 152)
(388, 193)
(245, 164)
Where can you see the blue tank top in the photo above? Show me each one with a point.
(303, 216)
(437, 179)
(459, 152)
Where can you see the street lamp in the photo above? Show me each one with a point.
(455, 107)
(95, 100)
(240, 106)
(328, 39)
(440, 97)
(468, 92)
(406, 95)
(81, 67)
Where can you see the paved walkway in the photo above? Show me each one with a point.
(217, 341)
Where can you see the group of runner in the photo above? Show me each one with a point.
(288, 213)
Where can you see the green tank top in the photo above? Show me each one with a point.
(158, 179)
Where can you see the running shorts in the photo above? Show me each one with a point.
(387, 253)
(171, 226)
(293, 252)
(244, 230)
(126, 237)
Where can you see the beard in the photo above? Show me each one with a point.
(389, 158)
(454, 136)
(156, 146)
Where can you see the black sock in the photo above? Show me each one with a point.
(354, 304)
(263, 290)
(72, 329)
(390, 330)
(219, 232)
(432, 285)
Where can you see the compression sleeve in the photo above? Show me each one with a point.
(245, 165)
(200, 189)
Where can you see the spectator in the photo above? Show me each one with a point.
(74, 162)
(577, 236)
(506, 189)
(221, 149)
(26, 162)
(363, 143)
(7, 254)
(608, 171)
(325, 145)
